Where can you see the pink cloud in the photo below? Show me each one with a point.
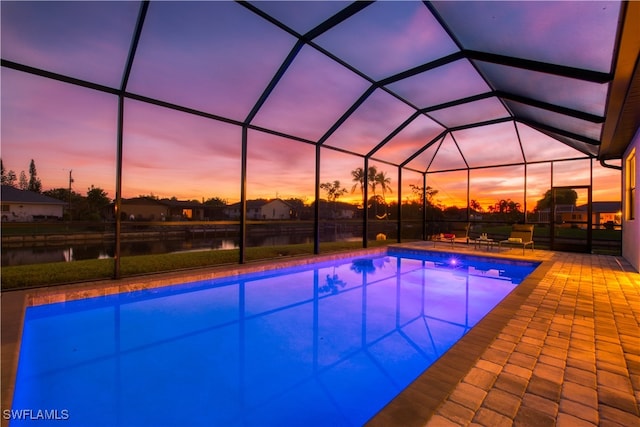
(171, 154)
(492, 145)
(271, 171)
(404, 33)
(373, 121)
(449, 82)
(412, 138)
(86, 40)
(61, 127)
(582, 33)
(311, 96)
(231, 57)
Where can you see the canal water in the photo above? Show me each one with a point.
(22, 255)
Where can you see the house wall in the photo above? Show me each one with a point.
(252, 213)
(26, 211)
(276, 209)
(631, 227)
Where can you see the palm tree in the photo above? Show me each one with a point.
(371, 178)
(358, 178)
(502, 206)
(384, 181)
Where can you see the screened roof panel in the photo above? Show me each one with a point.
(179, 149)
(540, 147)
(447, 157)
(470, 112)
(78, 129)
(576, 94)
(301, 16)
(153, 125)
(577, 34)
(377, 117)
(490, 186)
(589, 149)
(232, 55)
(490, 145)
(85, 40)
(446, 83)
(412, 138)
(386, 38)
(560, 121)
(422, 161)
(271, 174)
(312, 95)
(544, 64)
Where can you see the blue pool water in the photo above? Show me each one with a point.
(325, 344)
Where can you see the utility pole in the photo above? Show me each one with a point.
(70, 181)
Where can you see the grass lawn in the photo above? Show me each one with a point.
(33, 275)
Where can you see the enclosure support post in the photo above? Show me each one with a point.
(142, 13)
(526, 220)
(399, 210)
(365, 201)
(468, 195)
(424, 206)
(552, 211)
(243, 198)
(590, 208)
(316, 207)
(118, 202)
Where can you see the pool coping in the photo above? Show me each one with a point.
(432, 387)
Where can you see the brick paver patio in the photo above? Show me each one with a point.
(568, 354)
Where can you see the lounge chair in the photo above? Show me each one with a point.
(458, 233)
(521, 235)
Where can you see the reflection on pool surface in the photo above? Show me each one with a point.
(321, 344)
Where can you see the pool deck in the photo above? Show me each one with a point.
(562, 349)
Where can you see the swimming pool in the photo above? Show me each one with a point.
(320, 344)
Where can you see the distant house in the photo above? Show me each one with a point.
(178, 209)
(262, 209)
(277, 209)
(602, 213)
(21, 205)
(150, 209)
(144, 209)
(254, 209)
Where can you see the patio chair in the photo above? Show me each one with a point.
(521, 235)
(459, 232)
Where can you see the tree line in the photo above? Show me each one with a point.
(93, 205)
(23, 183)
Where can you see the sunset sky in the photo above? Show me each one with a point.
(218, 58)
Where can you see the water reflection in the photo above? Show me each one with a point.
(329, 344)
(332, 284)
